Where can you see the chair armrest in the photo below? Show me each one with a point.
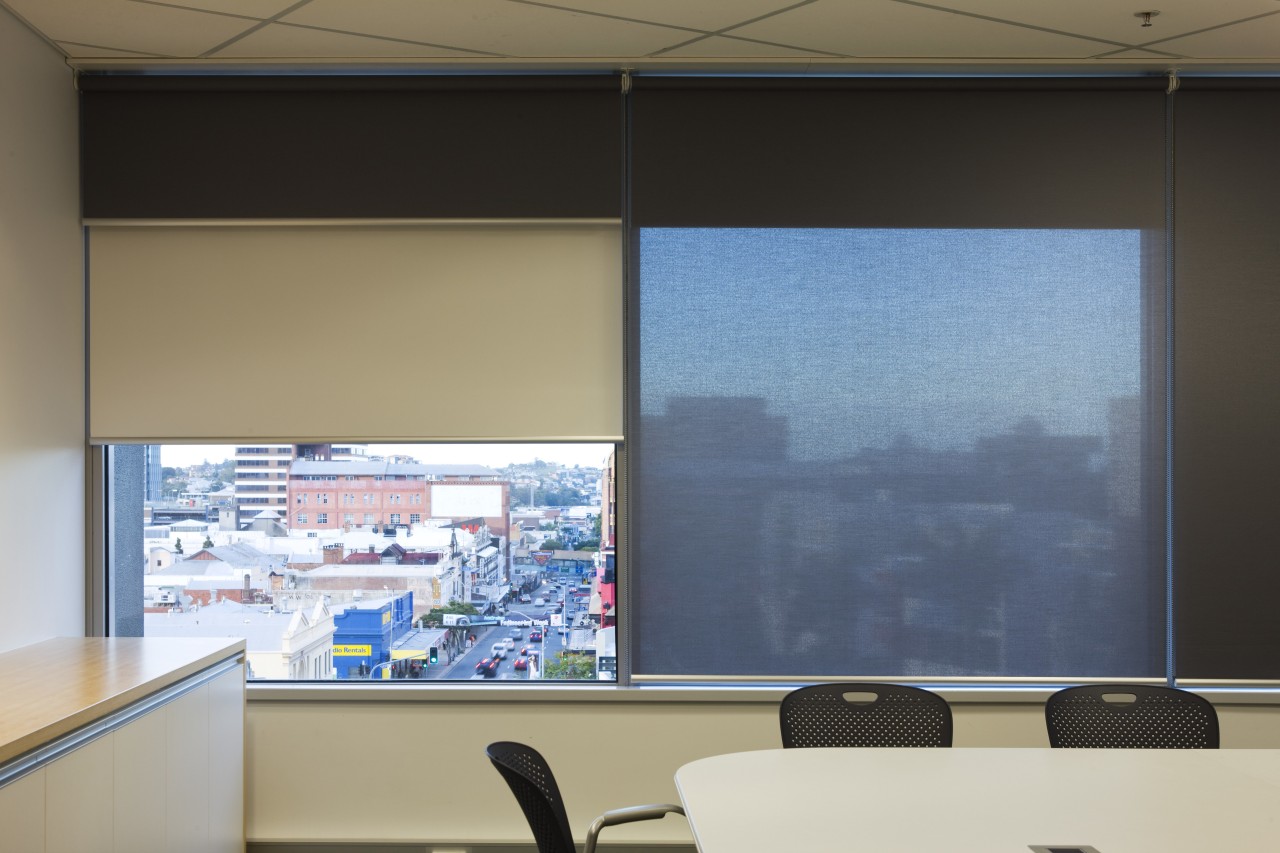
(627, 815)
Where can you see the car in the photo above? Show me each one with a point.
(509, 644)
(516, 633)
(524, 650)
(521, 663)
(524, 599)
(539, 602)
(535, 636)
(499, 650)
(488, 667)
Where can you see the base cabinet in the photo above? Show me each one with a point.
(170, 779)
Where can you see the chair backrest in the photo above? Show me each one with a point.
(864, 714)
(531, 780)
(1130, 716)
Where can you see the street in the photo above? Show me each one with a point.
(550, 645)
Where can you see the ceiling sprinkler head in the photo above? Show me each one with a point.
(1146, 17)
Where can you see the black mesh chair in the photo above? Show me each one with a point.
(1130, 716)
(864, 714)
(530, 778)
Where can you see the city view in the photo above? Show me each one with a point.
(394, 562)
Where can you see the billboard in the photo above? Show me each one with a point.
(453, 501)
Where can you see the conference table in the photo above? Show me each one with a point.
(979, 800)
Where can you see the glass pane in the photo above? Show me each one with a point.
(351, 561)
(895, 453)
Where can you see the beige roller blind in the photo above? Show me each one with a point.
(372, 332)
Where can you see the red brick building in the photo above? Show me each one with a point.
(350, 495)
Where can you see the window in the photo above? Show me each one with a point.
(952, 443)
(463, 560)
(348, 518)
(928, 461)
(895, 413)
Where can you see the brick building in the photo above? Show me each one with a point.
(352, 495)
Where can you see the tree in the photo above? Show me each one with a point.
(552, 545)
(570, 667)
(436, 615)
(208, 542)
(177, 545)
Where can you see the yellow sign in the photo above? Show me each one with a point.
(353, 651)
(401, 654)
(386, 617)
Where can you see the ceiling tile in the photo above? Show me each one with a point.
(121, 25)
(883, 28)
(261, 9)
(494, 26)
(1106, 19)
(700, 15)
(718, 47)
(1258, 39)
(278, 41)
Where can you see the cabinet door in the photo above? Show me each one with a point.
(226, 763)
(141, 787)
(22, 814)
(188, 771)
(80, 799)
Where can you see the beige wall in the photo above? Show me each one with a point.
(383, 771)
(41, 343)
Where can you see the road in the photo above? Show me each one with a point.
(551, 645)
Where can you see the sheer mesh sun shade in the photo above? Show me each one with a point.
(376, 332)
(897, 394)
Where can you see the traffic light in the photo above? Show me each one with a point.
(434, 655)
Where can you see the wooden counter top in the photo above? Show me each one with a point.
(54, 687)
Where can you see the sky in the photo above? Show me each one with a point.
(492, 455)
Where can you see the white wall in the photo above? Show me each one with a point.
(41, 343)
(405, 771)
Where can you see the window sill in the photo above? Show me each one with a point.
(694, 693)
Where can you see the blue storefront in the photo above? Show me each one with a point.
(364, 633)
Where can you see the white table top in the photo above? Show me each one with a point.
(984, 800)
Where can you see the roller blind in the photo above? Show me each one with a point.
(297, 146)
(897, 388)
(373, 332)
(1226, 369)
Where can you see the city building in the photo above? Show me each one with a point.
(383, 495)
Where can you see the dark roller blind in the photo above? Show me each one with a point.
(897, 387)
(904, 153)
(350, 147)
(1227, 379)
